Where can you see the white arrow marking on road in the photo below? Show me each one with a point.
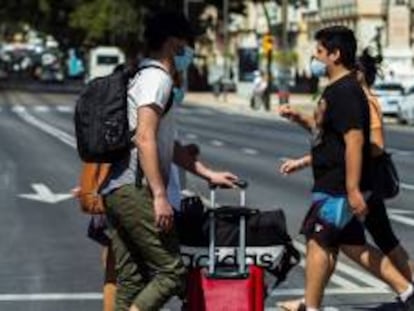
(44, 194)
(407, 186)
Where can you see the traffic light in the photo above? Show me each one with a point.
(267, 43)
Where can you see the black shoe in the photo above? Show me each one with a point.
(408, 305)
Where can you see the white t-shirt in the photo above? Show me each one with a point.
(149, 86)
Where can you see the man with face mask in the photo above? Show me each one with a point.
(144, 241)
(340, 156)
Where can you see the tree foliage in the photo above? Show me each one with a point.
(79, 22)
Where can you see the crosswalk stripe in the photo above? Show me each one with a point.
(41, 108)
(18, 108)
(63, 108)
(357, 274)
(336, 279)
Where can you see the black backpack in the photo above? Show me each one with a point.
(101, 117)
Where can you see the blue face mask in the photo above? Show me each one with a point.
(184, 59)
(178, 94)
(318, 68)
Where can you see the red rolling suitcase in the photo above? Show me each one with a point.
(229, 288)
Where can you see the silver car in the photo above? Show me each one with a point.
(406, 111)
(391, 95)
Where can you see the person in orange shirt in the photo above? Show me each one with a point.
(377, 221)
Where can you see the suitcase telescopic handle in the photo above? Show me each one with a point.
(229, 273)
(241, 184)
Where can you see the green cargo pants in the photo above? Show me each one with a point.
(148, 261)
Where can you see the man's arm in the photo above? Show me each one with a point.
(146, 142)
(354, 141)
(186, 159)
(305, 121)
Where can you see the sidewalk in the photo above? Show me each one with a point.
(237, 103)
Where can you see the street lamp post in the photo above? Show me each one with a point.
(226, 45)
(186, 9)
(283, 75)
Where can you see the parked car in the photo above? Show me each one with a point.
(406, 111)
(391, 95)
(103, 60)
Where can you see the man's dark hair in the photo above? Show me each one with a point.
(339, 38)
(368, 65)
(163, 25)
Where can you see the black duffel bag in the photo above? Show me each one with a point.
(268, 242)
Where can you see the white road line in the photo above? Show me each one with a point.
(191, 136)
(330, 291)
(62, 136)
(336, 279)
(65, 109)
(406, 186)
(217, 143)
(400, 211)
(402, 219)
(18, 108)
(50, 296)
(400, 152)
(250, 151)
(41, 108)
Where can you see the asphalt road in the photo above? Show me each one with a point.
(47, 262)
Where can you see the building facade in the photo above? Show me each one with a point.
(386, 26)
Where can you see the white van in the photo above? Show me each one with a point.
(103, 60)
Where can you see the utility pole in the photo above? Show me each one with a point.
(283, 74)
(226, 46)
(269, 56)
(186, 11)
